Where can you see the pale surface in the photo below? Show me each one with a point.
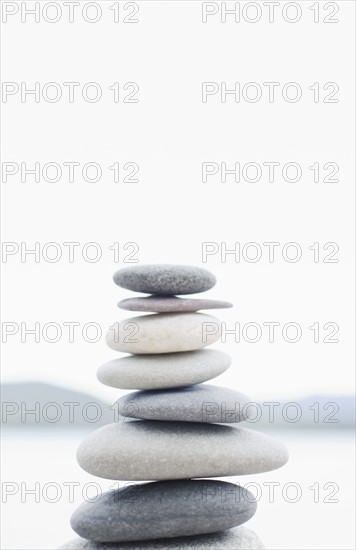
(170, 212)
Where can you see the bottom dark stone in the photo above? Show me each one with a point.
(164, 509)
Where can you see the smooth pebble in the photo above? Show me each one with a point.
(166, 279)
(164, 333)
(201, 403)
(153, 450)
(170, 304)
(167, 370)
(164, 509)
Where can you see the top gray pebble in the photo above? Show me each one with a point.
(165, 279)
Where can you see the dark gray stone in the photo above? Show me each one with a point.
(165, 370)
(164, 509)
(170, 304)
(201, 403)
(238, 538)
(143, 450)
(165, 279)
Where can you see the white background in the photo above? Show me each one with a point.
(170, 212)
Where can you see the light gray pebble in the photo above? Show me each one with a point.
(164, 333)
(169, 304)
(143, 450)
(166, 370)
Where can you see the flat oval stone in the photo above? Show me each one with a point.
(238, 538)
(164, 333)
(165, 279)
(164, 509)
(167, 370)
(169, 304)
(202, 403)
(153, 450)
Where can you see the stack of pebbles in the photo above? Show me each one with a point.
(179, 428)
